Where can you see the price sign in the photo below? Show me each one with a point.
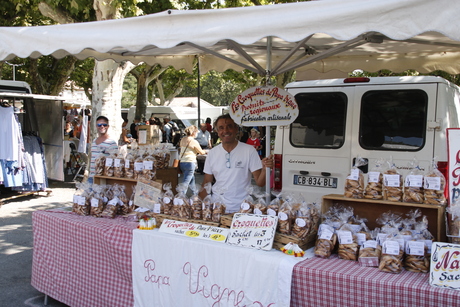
(253, 230)
(193, 230)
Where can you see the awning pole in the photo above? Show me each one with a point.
(198, 92)
(267, 128)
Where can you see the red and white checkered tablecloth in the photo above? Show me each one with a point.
(82, 260)
(337, 282)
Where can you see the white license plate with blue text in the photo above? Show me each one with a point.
(315, 181)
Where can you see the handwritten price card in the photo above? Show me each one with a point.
(193, 230)
(445, 265)
(253, 230)
(264, 106)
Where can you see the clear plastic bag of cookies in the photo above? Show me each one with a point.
(370, 250)
(139, 165)
(348, 243)
(124, 206)
(218, 205)
(132, 205)
(391, 260)
(286, 215)
(197, 205)
(354, 184)
(129, 164)
(80, 206)
(374, 187)
(260, 203)
(326, 240)
(119, 165)
(109, 163)
(148, 170)
(181, 202)
(207, 203)
(417, 257)
(392, 183)
(97, 200)
(112, 207)
(100, 164)
(247, 205)
(434, 184)
(303, 221)
(275, 203)
(167, 199)
(413, 184)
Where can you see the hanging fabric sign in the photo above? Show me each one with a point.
(264, 106)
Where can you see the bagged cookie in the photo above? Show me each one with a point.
(374, 187)
(354, 184)
(434, 186)
(413, 184)
(392, 183)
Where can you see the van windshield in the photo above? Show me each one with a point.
(321, 120)
(393, 120)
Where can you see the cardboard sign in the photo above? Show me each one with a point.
(445, 265)
(193, 230)
(264, 106)
(253, 230)
(453, 144)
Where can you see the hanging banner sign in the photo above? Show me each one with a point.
(264, 106)
(453, 144)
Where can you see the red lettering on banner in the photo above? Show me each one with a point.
(448, 261)
(159, 280)
(197, 285)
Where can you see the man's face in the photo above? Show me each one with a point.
(203, 127)
(102, 126)
(226, 130)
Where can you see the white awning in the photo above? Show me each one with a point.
(321, 35)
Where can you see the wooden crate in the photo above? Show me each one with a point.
(280, 239)
(148, 134)
(160, 217)
(372, 209)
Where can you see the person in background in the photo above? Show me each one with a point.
(102, 145)
(133, 127)
(204, 139)
(124, 139)
(208, 125)
(232, 164)
(68, 130)
(254, 141)
(76, 123)
(189, 148)
(151, 120)
(169, 127)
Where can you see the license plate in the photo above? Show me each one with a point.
(315, 181)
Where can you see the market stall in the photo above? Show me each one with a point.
(85, 261)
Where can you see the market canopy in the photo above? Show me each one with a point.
(321, 35)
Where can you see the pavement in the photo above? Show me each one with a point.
(16, 242)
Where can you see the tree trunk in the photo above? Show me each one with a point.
(107, 91)
(142, 96)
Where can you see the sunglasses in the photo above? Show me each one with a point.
(102, 125)
(227, 156)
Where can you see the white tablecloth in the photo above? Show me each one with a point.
(170, 270)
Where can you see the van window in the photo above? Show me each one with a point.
(393, 120)
(321, 120)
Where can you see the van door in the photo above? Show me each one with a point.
(316, 148)
(391, 122)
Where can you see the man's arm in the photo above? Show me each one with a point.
(261, 174)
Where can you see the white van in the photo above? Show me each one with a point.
(339, 119)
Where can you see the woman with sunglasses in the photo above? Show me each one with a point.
(103, 144)
(232, 164)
